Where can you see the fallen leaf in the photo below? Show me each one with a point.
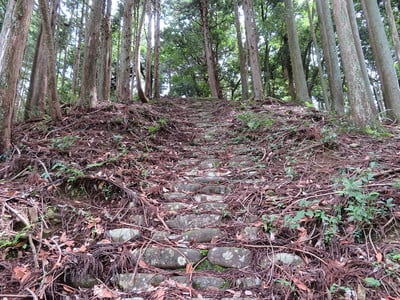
(379, 257)
(300, 285)
(102, 291)
(21, 273)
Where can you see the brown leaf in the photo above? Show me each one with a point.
(102, 291)
(21, 273)
(379, 257)
(300, 285)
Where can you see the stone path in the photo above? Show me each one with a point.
(199, 247)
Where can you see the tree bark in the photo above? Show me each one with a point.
(393, 28)
(295, 55)
(157, 85)
(252, 47)
(208, 51)
(124, 80)
(141, 94)
(383, 59)
(88, 92)
(242, 54)
(104, 85)
(54, 106)
(362, 113)
(148, 78)
(13, 38)
(331, 56)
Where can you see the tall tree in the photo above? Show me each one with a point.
(295, 55)
(141, 94)
(393, 28)
(362, 112)
(88, 91)
(208, 51)
(242, 54)
(383, 58)
(124, 90)
(252, 47)
(157, 84)
(331, 56)
(104, 76)
(149, 51)
(54, 106)
(13, 38)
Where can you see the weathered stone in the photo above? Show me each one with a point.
(207, 282)
(210, 179)
(169, 258)
(174, 196)
(249, 233)
(132, 282)
(208, 164)
(121, 235)
(282, 258)
(85, 281)
(208, 198)
(193, 221)
(213, 206)
(160, 236)
(215, 189)
(248, 282)
(137, 220)
(174, 206)
(188, 187)
(203, 235)
(230, 257)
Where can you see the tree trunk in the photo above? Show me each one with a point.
(362, 112)
(295, 55)
(104, 86)
(141, 95)
(54, 106)
(13, 38)
(324, 87)
(157, 85)
(331, 56)
(393, 28)
(78, 47)
(208, 51)
(88, 92)
(148, 77)
(124, 80)
(242, 54)
(360, 53)
(252, 47)
(383, 59)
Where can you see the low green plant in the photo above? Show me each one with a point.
(71, 173)
(254, 122)
(63, 143)
(372, 282)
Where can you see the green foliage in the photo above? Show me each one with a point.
(372, 282)
(254, 122)
(362, 207)
(62, 170)
(205, 265)
(63, 143)
(17, 238)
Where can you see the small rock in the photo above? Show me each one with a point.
(193, 221)
(86, 281)
(188, 187)
(169, 258)
(210, 179)
(248, 282)
(215, 189)
(213, 206)
(230, 257)
(137, 220)
(208, 198)
(121, 235)
(282, 258)
(174, 196)
(135, 282)
(203, 235)
(249, 233)
(207, 282)
(174, 206)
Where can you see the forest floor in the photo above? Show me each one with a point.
(219, 200)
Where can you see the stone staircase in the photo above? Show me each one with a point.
(206, 245)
